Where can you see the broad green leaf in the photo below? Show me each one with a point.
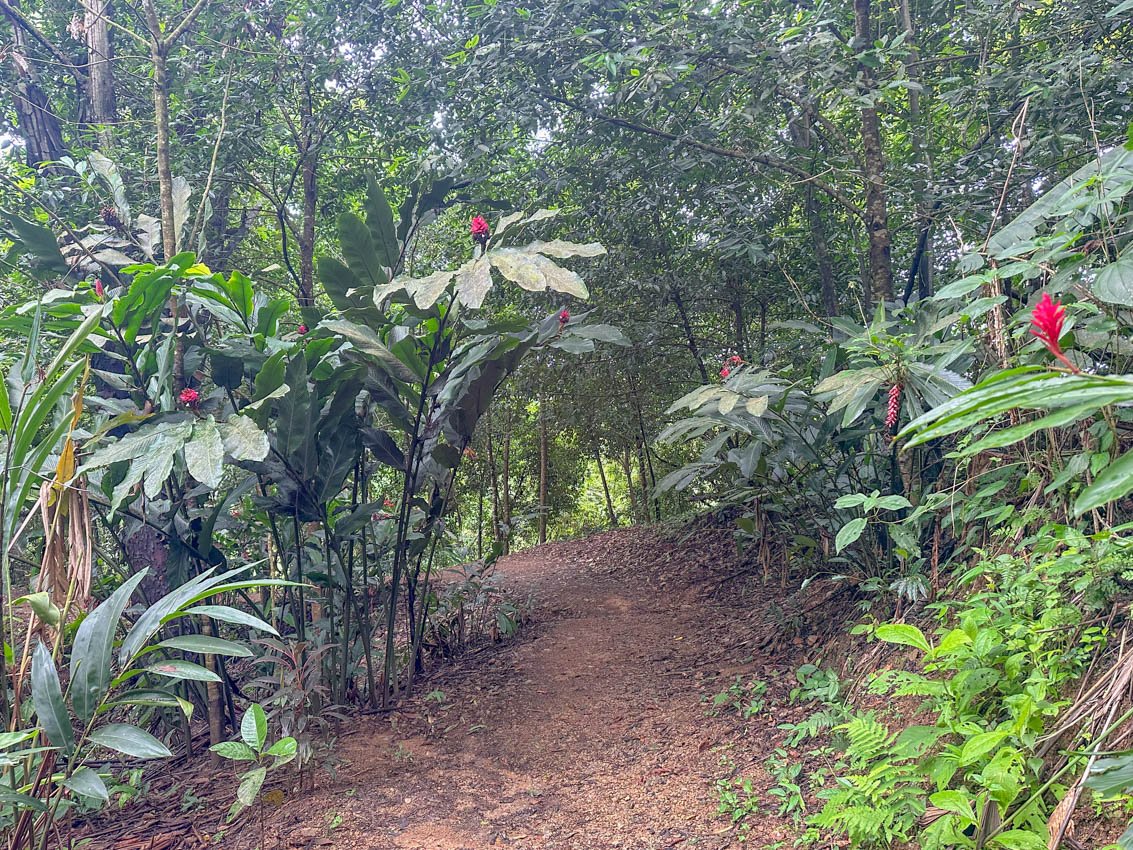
(473, 281)
(250, 786)
(206, 645)
(1114, 482)
(1110, 776)
(129, 740)
(234, 750)
(86, 783)
(903, 634)
(367, 342)
(244, 440)
(92, 653)
(232, 615)
(849, 533)
(284, 748)
(176, 668)
(1019, 839)
(204, 453)
(151, 621)
(957, 802)
(561, 249)
(254, 727)
(48, 699)
(1114, 283)
(978, 746)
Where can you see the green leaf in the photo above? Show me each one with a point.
(359, 250)
(1115, 481)
(367, 342)
(1111, 776)
(379, 219)
(1019, 839)
(561, 249)
(903, 634)
(86, 783)
(893, 503)
(234, 751)
(849, 532)
(244, 439)
(167, 607)
(204, 453)
(473, 282)
(232, 615)
(254, 727)
(206, 645)
(250, 786)
(41, 604)
(978, 746)
(957, 802)
(1114, 283)
(178, 669)
(48, 699)
(850, 500)
(92, 653)
(129, 740)
(284, 748)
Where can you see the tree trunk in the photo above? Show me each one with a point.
(610, 513)
(37, 122)
(804, 137)
(543, 507)
(627, 468)
(505, 494)
(307, 237)
(922, 180)
(494, 471)
(873, 161)
(678, 302)
(102, 109)
(740, 323)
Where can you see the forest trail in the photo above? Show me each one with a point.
(586, 731)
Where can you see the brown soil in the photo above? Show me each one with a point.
(588, 730)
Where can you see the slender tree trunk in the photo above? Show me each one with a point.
(627, 468)
(543, 507)
(923, 176)
(102, 108)
(873, 161)
(644, 479)
(505, 494)
(804, 136)
(307, 236)
(493, 469)
(678, 302)
(739, 324)
(610, 513)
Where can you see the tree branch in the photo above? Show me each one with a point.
(756, 158)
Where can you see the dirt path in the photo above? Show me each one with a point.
(587, 731)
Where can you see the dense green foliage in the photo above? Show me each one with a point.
(775, 194)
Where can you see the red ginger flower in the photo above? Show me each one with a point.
(99, 290)
(893, 412)
(1046, 324)
(725, 372)
(735, 360)
(480, 229)
(302, 330)
(564, 316)
(189, 397)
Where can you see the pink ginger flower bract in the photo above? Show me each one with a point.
(725, 372)
(480, 229)
(99, 290)
(564, 317)
(893, 412)
(189, 397)
(1047, 320)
